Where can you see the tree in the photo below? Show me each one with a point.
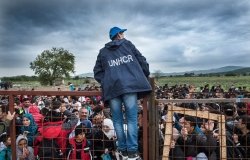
(53, 64)
(191, 74)
(157, 74)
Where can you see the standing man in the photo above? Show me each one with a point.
(26, 105)
(122, 72)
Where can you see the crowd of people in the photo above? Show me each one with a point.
(82, 126)
(198, 138)
(5, 85)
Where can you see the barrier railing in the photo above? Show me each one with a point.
(220, 118)
(150, 119)
(12, 94)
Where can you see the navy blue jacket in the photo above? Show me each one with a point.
(120, 68)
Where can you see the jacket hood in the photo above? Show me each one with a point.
(19, 138)
(114, 44)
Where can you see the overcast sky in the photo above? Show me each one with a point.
(174, 35)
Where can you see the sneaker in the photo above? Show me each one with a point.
(134, 156)
(123, 155)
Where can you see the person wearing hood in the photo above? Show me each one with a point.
(122, 72)
(105, 140)
(23, 151)
(29, 126)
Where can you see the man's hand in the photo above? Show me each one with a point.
(184, 133)
(172, 144)
(10, 116)
(25, 152)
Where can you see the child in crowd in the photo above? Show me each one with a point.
(79, 144)
(5, 153)
(23, 151)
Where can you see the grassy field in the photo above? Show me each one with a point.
(225, 82)
(28, 85)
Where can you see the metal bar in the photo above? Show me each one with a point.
(210, 100)
(145, 128)
(12, 127)
(52, 93)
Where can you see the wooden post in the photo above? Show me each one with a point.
(152, 123)
(222, 137)
(168, 133)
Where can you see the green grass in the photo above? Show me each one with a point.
(26, 84)
(35, 84)
(225, 82)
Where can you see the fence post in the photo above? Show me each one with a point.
(12, 128)
(145, 128)
(153, 125)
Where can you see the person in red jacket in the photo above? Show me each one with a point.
(38, 117)
(55, 127)
(79, 145)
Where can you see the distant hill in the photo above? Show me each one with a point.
(222, 70)
(240, 71)
(214, 70)
(86, 75)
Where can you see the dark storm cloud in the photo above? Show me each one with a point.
(24, 21)
(172, 34)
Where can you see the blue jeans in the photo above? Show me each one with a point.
(129, 100)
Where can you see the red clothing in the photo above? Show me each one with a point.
(52, 130)
(38, 117)
(248, 108)
(84, 156)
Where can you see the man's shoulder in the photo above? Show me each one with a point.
(127, 41)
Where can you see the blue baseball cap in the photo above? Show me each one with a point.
(114, 31)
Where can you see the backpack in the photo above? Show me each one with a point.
(50, 142)
(49, 149)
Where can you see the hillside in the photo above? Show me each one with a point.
(221, 70)
(241, 70)
(213, 70)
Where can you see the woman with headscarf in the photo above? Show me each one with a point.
(105, 141)
(30, 127)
